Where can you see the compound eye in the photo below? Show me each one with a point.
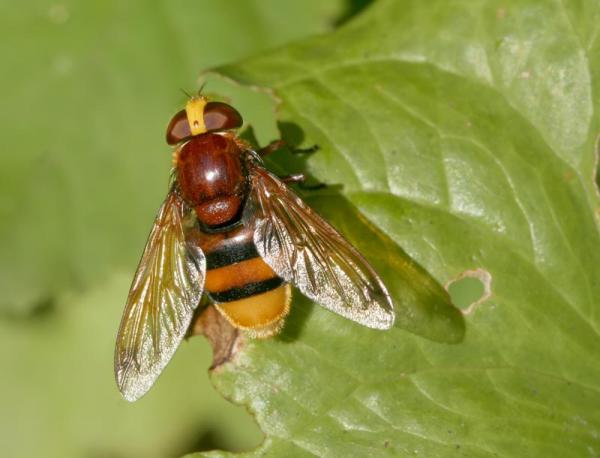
(178, 129)
(220, 116)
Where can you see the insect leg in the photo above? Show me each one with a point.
(276, 145)
(300, 178)
(294, 178)
(309, 150)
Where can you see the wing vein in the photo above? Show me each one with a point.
(166, 289)
(305, 250)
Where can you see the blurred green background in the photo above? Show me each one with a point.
(88, 87)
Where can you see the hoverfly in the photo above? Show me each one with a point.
(233, 230)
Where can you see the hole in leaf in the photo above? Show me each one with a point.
(470, 289)
(466, 291)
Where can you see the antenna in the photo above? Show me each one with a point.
(187, 94)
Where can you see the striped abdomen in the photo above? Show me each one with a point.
(241, 285)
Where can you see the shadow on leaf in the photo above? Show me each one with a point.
(422, 305)
(300, 311)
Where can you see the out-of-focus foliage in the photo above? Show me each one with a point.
(466, 132)
(88, 88)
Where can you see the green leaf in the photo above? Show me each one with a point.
(465, 132)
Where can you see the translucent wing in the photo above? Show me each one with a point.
(166, 289)
(308, 252)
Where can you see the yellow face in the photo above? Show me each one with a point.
(194, 110)
(201, 116)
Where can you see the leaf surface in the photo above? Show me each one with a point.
(466, 133)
